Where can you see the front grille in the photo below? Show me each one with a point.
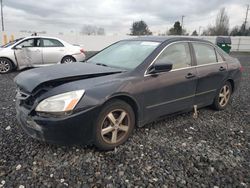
(21, 95)
(26, 100)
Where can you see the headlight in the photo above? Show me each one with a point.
(60, 103)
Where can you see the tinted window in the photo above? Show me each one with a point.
(52, 43)
(177, 54)
(205, 54)
(30, 43)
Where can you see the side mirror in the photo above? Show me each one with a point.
(18, 47)
(160, 67)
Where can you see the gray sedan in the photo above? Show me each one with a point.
(37, 51)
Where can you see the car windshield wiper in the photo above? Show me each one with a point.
(102, 64)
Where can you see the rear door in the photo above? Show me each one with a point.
(211, 72)
(171, 91)
(30, 53)
(53, 50)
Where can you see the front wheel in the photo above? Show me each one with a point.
(223, 96)
(68, 59)
(5, 66)
(114, 125)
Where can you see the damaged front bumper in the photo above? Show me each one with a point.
(73, 129)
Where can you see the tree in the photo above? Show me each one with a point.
(176, 30)
(194, 33)
(140, 28)
(100, 31)
(221, 26)
(240, 31)
(222, 23)
(88, 30)
(92, 30)
(235, 31)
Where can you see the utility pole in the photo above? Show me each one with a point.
(245, 22)
(182, 17)
(200, 30)
(2, 14)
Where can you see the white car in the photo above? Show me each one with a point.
(37, 51)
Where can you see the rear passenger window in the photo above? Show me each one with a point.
(205, 54)
(52, 43)
(177, 54)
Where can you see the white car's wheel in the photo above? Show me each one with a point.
(68, 59)
(5, 66)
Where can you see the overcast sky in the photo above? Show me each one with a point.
(116, 16)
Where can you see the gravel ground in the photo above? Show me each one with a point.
(179, 151)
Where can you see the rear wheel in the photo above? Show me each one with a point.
(223, 97)
(68, 59)
(114, 125)
(5, 66)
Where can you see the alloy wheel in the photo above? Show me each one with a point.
(4, 66)
(224, 95)
(68, 60)
(115, 126)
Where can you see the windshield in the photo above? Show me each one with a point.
(124, 54)
(10, 43)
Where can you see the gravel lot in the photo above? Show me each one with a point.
(179, 151)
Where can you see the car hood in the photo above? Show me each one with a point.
(1, 49)
(29, 80)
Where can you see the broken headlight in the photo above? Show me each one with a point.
(64, 102)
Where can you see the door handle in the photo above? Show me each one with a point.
(222, 68)
(190, 75)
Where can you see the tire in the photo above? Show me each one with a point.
(68, 59)
(6, 66)
(223, 97)
(114, 125)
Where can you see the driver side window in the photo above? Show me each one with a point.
(27, 43)
(177, 54)
(30, 43)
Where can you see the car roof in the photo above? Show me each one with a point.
(37, 36)
(162, 39)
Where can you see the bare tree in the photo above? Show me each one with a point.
(221, 24)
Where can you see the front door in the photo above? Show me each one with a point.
(30, 52)
(172, 91)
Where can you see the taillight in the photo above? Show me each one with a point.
(241, 68)
(82, 51)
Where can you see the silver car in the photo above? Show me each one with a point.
(37, 51)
